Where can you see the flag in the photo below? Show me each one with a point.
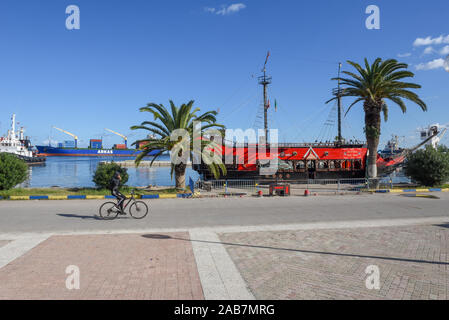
(275, 105)
(268, 104)
(268, 55)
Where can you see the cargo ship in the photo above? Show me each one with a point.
(95, 149)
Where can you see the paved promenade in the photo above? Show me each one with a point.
(306, 253)
(413, 262)
(110, 267)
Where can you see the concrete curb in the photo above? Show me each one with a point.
(87, 197)
(407, 190)
(219, 276)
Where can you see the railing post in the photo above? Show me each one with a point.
(338, 185)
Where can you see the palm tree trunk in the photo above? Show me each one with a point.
(180, 175)
(372, 131)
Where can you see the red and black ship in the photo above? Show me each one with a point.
(298, 161)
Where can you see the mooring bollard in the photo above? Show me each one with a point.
(258, 191)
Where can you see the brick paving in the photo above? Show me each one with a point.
(330, 264)
(121, 266)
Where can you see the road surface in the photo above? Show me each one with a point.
(82, 215)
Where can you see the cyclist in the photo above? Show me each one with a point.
(115, 186)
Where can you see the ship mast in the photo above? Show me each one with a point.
(337, 92)
(13, 127)
(265, 81)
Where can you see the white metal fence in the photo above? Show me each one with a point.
(297, 186)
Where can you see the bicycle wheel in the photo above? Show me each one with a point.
(138, 210)
(109, 211)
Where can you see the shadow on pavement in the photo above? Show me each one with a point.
(444, 225)
(158, 236)
(150, 236)
(65, 215)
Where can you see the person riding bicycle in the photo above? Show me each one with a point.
(115, 186)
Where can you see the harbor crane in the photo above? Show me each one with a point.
(70, 134)
(120, 135)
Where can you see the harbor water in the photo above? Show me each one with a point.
(77, 172)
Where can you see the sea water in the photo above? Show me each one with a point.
(77, 172)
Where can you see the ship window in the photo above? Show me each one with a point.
(322, 165)
(300, 165)
(284, 165)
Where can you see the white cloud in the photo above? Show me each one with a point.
(444, 51)
(404, 55)
(434, 64)
(225, 10)
(431, 41)
(428, 50)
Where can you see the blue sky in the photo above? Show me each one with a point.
(128, 53)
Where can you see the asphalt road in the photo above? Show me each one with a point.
(81, 215)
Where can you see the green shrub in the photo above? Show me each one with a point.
(105, 172)
(12, 171)
(429, 167)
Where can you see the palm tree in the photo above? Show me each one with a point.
(373, 85)
(182, 121)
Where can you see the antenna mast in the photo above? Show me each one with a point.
(265, 81)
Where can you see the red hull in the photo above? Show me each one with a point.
(296, 161)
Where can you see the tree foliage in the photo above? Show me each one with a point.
(429, 166)
(105, 172)
(167, 122)
(373, 85)
(13, 171)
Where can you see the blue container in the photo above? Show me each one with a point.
(95, 145)
(69, 144)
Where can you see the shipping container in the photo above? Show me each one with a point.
(142, 144)
(69, 144)
(96, 144)
(119, 146)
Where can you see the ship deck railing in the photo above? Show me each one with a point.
(353, 144)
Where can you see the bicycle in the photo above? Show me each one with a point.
(137, 210)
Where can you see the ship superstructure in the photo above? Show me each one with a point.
(17, 144)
